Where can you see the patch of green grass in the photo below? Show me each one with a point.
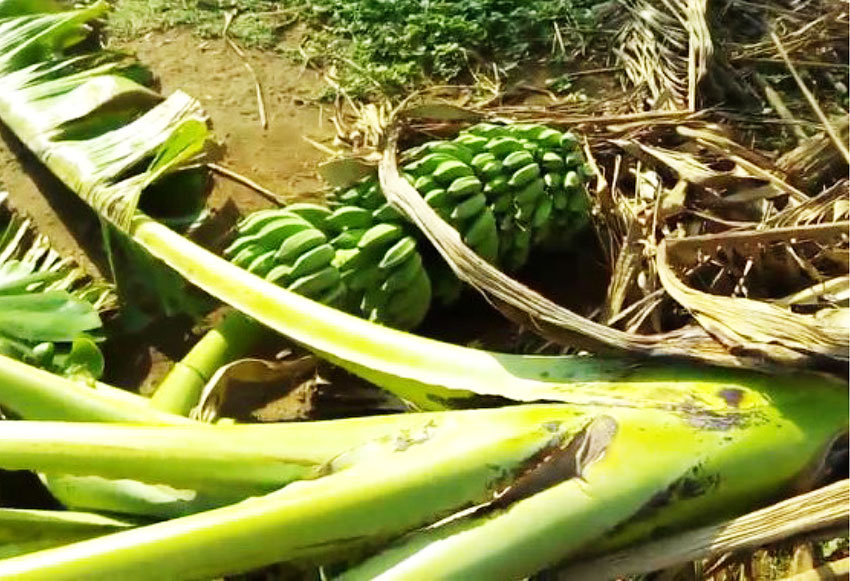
(259, 23)
(384, 46)
(398, 44)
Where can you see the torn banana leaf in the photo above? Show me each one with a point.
(85, 116)
(48, 304)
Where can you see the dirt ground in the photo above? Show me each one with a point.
(279, 158)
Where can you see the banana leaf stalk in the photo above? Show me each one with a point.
(655, 470)
(180, 390)
(33, 393)
(25, 531)
(37, 394)
(241, 460)
(658, 474)
(365, 504)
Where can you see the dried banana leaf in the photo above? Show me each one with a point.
(757, 326)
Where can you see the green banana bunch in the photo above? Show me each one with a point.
(533, 179)
(352, 258)
(505, 188)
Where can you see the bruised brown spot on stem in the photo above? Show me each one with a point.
(732, 395)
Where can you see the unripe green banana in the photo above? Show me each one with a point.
(524, 175)
(425, 183)
(554, 181)
(501, 147)
(517, 160)
(530, 191)
(469, 207)
(379, 236)
(271, 234)
(465, 186)
(503, 203)
(474, 143)
(560, 199)
(312, 261)
(398, 253)
(313, 213)
(247, 255)
(365, 277)
(438, 198)
(482, 235)
(407, 307)
(542, 213)
(372, 304)
(497, 185)
(348, 238)
(552, 162)
(253, 222)
(297, 244)
(335, 297)
(488, 130)
(450, 170)
(569, 141)
(349, 217)
(480, 228)
(456, 150)
(403, 274)
(428, 165)
(313, 285)
(387, 213)
(262, 264)
(572, 182)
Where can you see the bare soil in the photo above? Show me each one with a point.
(279, 158)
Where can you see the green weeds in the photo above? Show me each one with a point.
(384, 46)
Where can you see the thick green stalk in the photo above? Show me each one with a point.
(366, 503)
(181, 389)
(345, 440)
(239, 459)
(659, 473)
(130, 497)
(32, 393)
(37, 394)
(25, 531)
(198, 457)
(432, 374)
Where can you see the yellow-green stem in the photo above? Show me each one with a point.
(230, 339)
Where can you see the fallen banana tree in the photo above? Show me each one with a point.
(548, 482)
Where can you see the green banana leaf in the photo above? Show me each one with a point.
(48, 305)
